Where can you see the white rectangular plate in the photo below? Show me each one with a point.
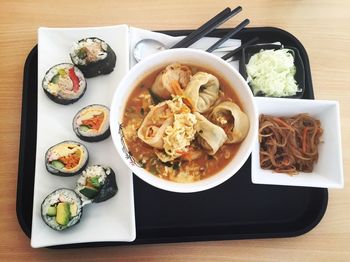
(328, 171)
(112, 220)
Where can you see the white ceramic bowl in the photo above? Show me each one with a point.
(328, 171)
(193, 57)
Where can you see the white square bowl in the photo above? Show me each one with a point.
(328, 171)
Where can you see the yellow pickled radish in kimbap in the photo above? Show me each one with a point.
(61, 209)
(93, 56)
(64, 83)
(67, 158)
(91, 123)
(97, 184)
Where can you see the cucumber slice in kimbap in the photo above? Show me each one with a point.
(96, 184)
(67, 158)
(64, 83)
(61, 209)
(91, 123)
(93, 56)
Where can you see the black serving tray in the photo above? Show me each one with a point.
(237, 209)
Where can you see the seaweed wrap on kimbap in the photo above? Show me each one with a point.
(97, 184)
(64, 83)
(93, 56)
(61, 209)
(91, 123)
(67, 158)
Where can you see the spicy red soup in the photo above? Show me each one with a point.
(183, 123)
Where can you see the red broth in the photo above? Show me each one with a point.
(179, 170)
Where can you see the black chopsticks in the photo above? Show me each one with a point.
(212, 24)
(238, 49)
(228, 35)
(209, 26)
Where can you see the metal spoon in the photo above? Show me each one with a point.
(147, 47)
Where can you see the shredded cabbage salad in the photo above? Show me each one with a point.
(271, 72)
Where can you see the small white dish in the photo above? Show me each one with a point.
(114, 219)
(328, 171)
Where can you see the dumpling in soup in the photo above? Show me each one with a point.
(154, 124)
(202, 91)
(230, 117)
(163, 85)
(210, 136)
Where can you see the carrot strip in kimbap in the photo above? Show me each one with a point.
(61, 209)
(91, 123)
(70, 161)
(64, 83)
(93, 56)
(96, 184)
(67, 158)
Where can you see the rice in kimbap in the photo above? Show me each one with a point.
(61, 209)
(67, 158)
(93, 56)
(97, 184)
(64, 83)
(91, 123)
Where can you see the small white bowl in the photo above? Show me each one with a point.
(328, 171)
(192, 57)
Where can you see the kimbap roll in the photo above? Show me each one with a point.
(64, 83)
(97, 184)
(61, 209)
(91, 123)
(93, 56)
(67, 158)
